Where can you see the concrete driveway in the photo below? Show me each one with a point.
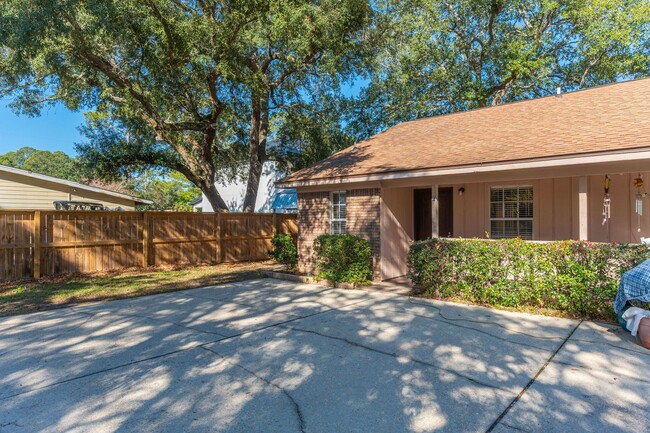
(274, 356)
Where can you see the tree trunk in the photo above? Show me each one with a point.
(215, 199)
(205, 181)
(257, 150)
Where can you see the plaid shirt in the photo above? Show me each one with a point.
(635, 285)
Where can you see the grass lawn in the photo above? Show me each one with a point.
(26, 297)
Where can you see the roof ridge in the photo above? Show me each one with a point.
(598, 121)
(523, 101)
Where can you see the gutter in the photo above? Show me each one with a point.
(533, 163)
(72, 184)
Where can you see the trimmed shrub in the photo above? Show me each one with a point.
(343, 259)
(284, 251)
(579, 278)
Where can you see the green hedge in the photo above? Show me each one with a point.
(579, 278)
(343, 259)
(284, 251)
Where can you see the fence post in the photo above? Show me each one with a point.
(37, 244)
(145, 240)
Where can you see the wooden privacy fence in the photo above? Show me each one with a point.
(40, 243)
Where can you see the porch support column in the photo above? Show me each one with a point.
(583, 210)
(434, 212)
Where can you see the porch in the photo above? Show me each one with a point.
(506, 205)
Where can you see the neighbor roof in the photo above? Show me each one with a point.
(607, 118)
(69, 183)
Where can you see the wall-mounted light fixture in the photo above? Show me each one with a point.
(461, 191)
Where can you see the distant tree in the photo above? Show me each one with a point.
(194, 85)
(169, 192)
(57, 164)
(17, 159)
(451, 55)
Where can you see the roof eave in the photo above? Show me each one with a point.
(72, 184)
(521, 164)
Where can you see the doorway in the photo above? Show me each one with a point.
(422, 219)
(446, 212)
(422, 214)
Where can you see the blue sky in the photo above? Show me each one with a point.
(55, 129)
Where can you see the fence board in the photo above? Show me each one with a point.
(90, 241)
(16, 244)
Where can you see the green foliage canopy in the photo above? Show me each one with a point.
(192, 83)
(57, 164)
(437, 57)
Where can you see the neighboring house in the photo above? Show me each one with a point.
(21, 189)
(532, 169)
(286, 200)
(233, 194)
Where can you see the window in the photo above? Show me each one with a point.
(337, 213)
(511, 212)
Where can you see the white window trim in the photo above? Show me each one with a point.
(332, 219)
(490, 219)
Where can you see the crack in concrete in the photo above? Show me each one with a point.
(14, 423)
(451, 322)
(483, 322)
(224, 301)
(602, 370)
(512, 427)
(605, 343)
(397, 356)
(296, 406)
(175, 351)
(105, 370)
(269, 309)
(90, 316)
(532, 380)
(156, 319)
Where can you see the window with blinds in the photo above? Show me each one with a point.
(511, 212)
(338, 213)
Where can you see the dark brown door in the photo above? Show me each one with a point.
(446, 212)
(422, 213)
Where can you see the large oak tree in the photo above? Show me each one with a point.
(452, 55)
(177, 83)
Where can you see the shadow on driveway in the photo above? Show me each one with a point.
(273, 356)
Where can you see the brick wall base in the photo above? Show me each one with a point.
(363, 213)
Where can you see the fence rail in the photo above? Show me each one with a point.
(43, 243)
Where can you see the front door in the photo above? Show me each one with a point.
(446, 212)
(422, 213)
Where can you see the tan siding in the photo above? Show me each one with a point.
(16, 195)
(396, 230)
(562, 209)
(24, 192)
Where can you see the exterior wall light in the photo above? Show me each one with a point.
(461, 191)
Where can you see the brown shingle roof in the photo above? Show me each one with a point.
(606, 118)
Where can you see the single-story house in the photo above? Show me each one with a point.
(568, 166)
(22, 189)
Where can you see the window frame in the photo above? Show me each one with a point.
(338, 220)
(516, 219)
